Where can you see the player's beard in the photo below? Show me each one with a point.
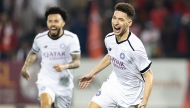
(123, 31)
(55, 35)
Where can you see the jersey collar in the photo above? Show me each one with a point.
(123, 40)
(55, 38)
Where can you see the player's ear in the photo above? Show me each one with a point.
(130, 22)
(63, 24)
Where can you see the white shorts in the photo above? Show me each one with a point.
(107, 97)
(60, 98)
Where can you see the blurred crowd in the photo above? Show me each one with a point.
(162, 25)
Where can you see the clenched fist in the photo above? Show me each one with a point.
(60, 68)
(25, 73)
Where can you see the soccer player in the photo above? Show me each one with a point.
(60, 52)
(130, 83)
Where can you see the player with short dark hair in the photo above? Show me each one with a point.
(130, 83)
(56, 10)
(60, 52)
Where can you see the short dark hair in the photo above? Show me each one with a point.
(56, 10)
(126, 8)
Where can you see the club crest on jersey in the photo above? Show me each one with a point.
(98, 93)
(62, 45)
(122, 55)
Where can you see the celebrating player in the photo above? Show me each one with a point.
(60, 52)
(130, 83)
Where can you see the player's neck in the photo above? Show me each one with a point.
(61, 33)
(57, 37)
(123, 36)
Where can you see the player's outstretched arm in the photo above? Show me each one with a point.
(29, 60)
(149, 79)
(85, 80)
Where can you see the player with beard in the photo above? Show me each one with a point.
(130, 83)
(60, 52)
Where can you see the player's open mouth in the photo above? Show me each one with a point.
(53, 30)
(117, 29)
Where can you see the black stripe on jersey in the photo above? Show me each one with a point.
(146, 68)
(35, 50)
(110, 35)
(41, 36)
(142, 77)
(123, 40)
(75, 52)
(68, 35)
(131, 45)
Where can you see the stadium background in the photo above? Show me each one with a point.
(162, 25)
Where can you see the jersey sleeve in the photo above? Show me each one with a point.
(106, 39)
(75, 46)
(141, 61)
(35, 47)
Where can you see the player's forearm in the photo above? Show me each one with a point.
(75, 63)
(148, 86)
(29, 60)
(101, 65)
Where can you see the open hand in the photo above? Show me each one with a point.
(85, 80)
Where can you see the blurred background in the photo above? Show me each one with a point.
(162, 25)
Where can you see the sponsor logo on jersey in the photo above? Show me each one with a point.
(117, 63)
(54, 55)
